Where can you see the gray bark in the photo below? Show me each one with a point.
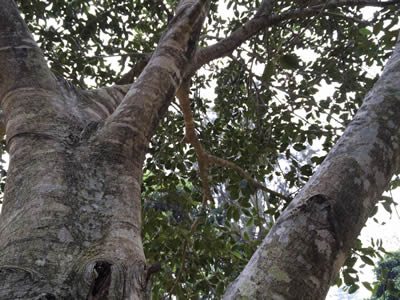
(311, 239)
(70, 222)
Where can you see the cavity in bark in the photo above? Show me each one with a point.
(101, 285)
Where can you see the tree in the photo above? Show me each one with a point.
(71, 221)
(388, 276)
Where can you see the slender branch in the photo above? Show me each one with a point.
(347, 18)
(135, 70)
(264, 20)
(203, 159)
(224, 163)
(191, 137)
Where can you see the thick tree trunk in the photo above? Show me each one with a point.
(311, 239)
(70, 227)
(70, 223)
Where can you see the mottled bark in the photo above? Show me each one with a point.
(70, 222)
(309, 243)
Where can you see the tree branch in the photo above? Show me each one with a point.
(99, 104)
(204, 158)
(2, 125)
(258, 185)
(135, 70)
(17, 51)
(262, 20)
(347, 18)
(148, 98)
(26, 82)
(191, 137)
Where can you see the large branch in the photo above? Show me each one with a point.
(26, 83)
(21, 60)
(148, 98)
(264, 9)
(264, 19)
(308, 244)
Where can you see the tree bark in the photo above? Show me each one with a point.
(310, 241)
(70, 222)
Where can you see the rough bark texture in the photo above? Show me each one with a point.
(70, 223)
(309, 243)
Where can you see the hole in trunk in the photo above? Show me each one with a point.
(101, 284)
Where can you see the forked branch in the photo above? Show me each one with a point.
(204, 158)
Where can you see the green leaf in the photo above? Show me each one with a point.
(289, 61)
(235, 214)
(236, 254)
(269, 71)
(367, 260)
(365, 31)
(348, 280)
(353, 289)
(367, 285)
(299, 147)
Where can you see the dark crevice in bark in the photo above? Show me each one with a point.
(102, 281)
(90, 130)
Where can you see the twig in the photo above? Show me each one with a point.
(135, 71)
(204, 159)
(224, 163)
(191, 137)
(348, 18)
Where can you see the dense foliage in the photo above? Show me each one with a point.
(388, 275)
(261, 108)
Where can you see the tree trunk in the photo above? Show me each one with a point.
(70, 223)
(308, 244)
